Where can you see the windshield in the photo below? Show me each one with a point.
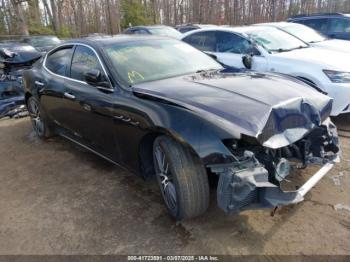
(304, 33)
(166, 31)
(275, 40)
(151, 60)
(44, 41)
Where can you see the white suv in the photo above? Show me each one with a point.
(311, 36)
(269, 49)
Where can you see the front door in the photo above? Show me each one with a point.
(231, 48)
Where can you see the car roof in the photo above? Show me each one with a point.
(107, 40)
(276, 24)
(238, 29)
(303, 16)
(149, 26)
(206, 29)
(37, 36)
(11, 45)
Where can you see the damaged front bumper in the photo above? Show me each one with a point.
(250, 189)
(254, 185)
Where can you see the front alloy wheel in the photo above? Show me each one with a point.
(165, 180)
(181, 177)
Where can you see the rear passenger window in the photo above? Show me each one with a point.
(204, 41)
(340, 26)
(58, 61)
(84, 59)
(319, 24)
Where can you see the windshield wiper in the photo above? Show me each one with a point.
(206, 70)
(281, 50)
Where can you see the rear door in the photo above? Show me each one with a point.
(89, 109)
(51, 83)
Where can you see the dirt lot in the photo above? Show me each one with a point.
(55, 198)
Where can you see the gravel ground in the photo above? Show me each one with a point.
(56, 198)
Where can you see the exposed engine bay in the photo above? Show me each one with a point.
(12, 65)
(254, 179)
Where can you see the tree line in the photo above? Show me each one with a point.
(74, 18)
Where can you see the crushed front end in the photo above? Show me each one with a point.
(12, 102)
(254, 179)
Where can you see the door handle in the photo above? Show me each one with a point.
(69, 96)
(39, 83)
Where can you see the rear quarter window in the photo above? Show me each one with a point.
(58, 61)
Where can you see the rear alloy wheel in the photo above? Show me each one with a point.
(38, 119)
(182, 179)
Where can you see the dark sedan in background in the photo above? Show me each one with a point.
(182, 117)
(42, 43)
(333, 25)
(190, 27)
(159, 30)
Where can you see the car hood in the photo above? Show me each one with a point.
(327, 59)
(277, 111)
(335, 44)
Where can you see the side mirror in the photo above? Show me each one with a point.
(247, 61)
(211, 55)
(93, 77)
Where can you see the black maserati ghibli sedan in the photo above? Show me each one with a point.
(163, 109)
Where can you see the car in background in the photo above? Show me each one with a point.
(160, 30)
(333, 25)
(181, 117)
(42, 43)
(311, 36)
(267, 49)
(189, 27)
(15, 58)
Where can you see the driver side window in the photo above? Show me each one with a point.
(84, 59)
(232, 43)
(340, 26)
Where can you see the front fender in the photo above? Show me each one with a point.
(204, 138)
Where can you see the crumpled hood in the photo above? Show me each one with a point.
(327, 59)
(275, 110)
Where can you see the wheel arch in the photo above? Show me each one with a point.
(145, 150)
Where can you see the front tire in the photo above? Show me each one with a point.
(182, 179)
(39, 121)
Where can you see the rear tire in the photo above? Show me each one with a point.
(38, 118)
(182, 179)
